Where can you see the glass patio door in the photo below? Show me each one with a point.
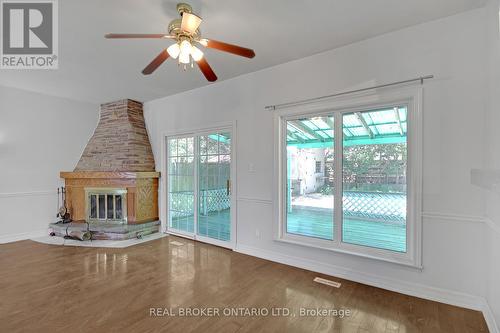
(214, 186)
(181, 184)
(200, 187)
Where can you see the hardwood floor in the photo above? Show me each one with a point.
(47, 288)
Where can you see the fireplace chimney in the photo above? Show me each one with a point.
(120, 141)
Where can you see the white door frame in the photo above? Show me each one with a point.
(163, 201)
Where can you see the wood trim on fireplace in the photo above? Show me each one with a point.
(142, 192)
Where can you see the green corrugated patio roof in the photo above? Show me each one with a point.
(359, 128)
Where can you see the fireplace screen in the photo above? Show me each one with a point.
(106, 205)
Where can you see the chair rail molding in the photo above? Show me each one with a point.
(27, 194)
(453, 217)
(255, 200)
(492, 224)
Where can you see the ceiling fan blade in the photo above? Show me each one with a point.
(114, 36)
(190, 22)
(206, 70)
(230, 48)
(153, 65)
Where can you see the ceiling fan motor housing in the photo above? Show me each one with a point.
(184, 8)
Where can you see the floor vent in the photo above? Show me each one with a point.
(176, 243)
(327, 282)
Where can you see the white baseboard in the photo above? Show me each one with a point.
(408, 288)
(22, 236)
(490, 318)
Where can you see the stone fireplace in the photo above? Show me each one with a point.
(114, 183)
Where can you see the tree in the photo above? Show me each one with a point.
(374, 163)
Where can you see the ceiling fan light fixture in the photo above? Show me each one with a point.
(185, 32)
(185, 48)
(196, 53)
(184, 58)
(190, 22)
(174, 50)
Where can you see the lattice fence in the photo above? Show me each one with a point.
(181, 203)
(214, 201)
(390, 207)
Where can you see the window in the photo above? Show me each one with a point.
(367, 199)
(318, 166)
(374, 161)
(309, 205)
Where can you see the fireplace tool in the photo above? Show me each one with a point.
(64, 218)
(63, 213)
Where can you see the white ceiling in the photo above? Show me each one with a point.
(94, 69)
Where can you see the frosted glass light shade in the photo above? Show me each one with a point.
(196, 53)
(174, 50)
(184, 57)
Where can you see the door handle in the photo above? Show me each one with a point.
(228, 187)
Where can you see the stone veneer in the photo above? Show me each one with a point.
(120, 141)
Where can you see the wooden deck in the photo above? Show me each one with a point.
(318, 223)
(314, 223)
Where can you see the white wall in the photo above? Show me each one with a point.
(39, 137)
(453, 49)
(492, 142)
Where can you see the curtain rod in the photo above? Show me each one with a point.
(279, 106)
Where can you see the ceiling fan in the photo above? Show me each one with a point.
(185, 33)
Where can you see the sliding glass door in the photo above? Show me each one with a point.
(199, 186)
(181, 184)
(214, 190)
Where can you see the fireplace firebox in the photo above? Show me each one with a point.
(106, 205)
